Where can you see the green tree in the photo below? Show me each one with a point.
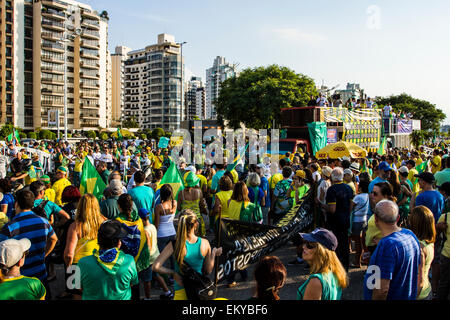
(91, 134)
(32, 135)
(143, 136)
(22, 135)
(45, 134)
(158, 133)
(256, 97)
(6, 130)
(130, 123)
(168, 134)
(104, 136)
(429, 115)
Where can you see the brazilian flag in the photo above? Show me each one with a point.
(240, 156)
(14, 138)
(174, 178)
(421, 168)
(119, 134)
(382, 148)
(91, 182)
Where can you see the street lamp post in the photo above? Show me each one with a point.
(182, 93)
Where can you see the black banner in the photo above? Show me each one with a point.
(245, 243)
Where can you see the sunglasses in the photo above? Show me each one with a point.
(310, 245)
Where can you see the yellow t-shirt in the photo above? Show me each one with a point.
(235, 176)
(3, 219)
(78, 165)
(411, 178)
(59, 187)
(273, 180)
(203, 181)
(158, 161)
(50, 194)
(372, 232)
(224, 196)
(233, 211)
(436, 164)
(446, 250)
(419, 161)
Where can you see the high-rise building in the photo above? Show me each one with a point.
(118, 83)
(153, 85)
(218, 73)
(195, 99)
(59, 57)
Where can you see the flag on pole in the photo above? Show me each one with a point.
(91, 182)
(382, 148)
(421, 168)
(174, 178)
(239, 157)
(14, 138)
(119, 134)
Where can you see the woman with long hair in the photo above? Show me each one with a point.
(189, 248)
(82, 234)
(395, 183)
(221, 198)
(164, 216)
(421, 222)
(327, 275)
(270, 276)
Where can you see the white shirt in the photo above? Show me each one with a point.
(123, 162)
(97, 155)
(316, 176)
(106, 158)
(320, 101)
(322, 189)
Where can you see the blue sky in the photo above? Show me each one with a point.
(389, 47)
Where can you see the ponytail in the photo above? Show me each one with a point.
(3, 270)
(125, 203)
(185, 225)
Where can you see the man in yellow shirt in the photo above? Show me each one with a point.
(78, 168)
(436, 162)
(60, 184)
(157, 160)
(411, 165)
(49, 192)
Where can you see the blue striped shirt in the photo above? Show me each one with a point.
(37, 230)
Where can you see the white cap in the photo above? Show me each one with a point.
(192, 169)
(349, 172)
(326, 171)
(403, 169)
(11, 251)
(260, 165)
(344, 158)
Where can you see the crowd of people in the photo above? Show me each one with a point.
(142, 232)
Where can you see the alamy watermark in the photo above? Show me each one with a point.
(226, 146)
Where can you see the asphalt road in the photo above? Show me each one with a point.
(296, 275)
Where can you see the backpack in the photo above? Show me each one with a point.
(252, 213)
(39, 209)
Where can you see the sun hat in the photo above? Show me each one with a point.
(12, 250)
(349, 172)
(323, 236)
(191, 180)
(354, 166)
(326, 171)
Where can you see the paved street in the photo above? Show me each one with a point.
(296, 276)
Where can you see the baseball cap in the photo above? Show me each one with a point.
(12, 250)
(191, 180)
(344, 158)
(349, 172)
(426, 176)
(192, 169)
(111, 229)
(384, 166)
(403, 169)
(323, 236)
(260, 165)
(326, 171)
(143, 213)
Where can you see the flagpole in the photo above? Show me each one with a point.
(216, 259)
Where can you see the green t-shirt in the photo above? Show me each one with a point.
(99, 282)
(330, 286)
(50, 208)
(22, 288)
(105, 174)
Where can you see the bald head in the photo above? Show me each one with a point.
(387, 211)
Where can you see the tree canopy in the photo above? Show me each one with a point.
(428, 113)
(256, 97)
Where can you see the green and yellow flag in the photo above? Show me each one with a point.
(382, 148)
(91, 182)
(14, 138)
(119, 134)
(240, 156)
(421, 168)
(174, 178)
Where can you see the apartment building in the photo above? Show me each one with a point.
(118, 83)
(59, 57)
(153, 85)
(218, 73)
(195, 99)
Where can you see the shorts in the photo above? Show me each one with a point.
(146, 275)
(358, 228)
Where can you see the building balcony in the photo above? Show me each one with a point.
(51, 70)
(88, 85)
(92, 24)
(89, 106)
(90, 34)
(52, 80)
(52, 58)
(95, 65)
(50, 103)
(84, 54)
(89, 75)
(54, 25)
(90, 44)
(55, 92)
(51, 35)
(89, 95)
(90, 14)
(55, 4)
(53, 14)
(53, 47)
